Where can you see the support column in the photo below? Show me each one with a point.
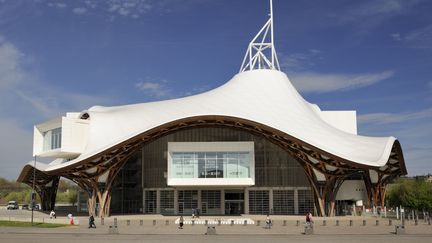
(271, 201)
(222, 202)
(48, 193)
(296, 203)
(158, 196)
(199, 200)
(176, 206)
(246, 200)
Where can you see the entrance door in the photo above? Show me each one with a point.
(234, 202)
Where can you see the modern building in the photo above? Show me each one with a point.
(250, 146)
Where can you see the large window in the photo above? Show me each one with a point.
(52, 139)
(211, 165)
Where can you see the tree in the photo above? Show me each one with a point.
(72, 196)
(411, 193)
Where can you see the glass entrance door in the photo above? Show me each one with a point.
(234, 202)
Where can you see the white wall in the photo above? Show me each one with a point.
(73, 139)
(352, 190)
(74, 135)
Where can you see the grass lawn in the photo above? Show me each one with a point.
(28, 224)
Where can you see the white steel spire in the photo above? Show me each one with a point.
(261, 53)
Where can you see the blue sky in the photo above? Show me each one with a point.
(372, 56)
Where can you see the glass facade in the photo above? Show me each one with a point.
(283, 202)
(211, 165)
(305, 201)
(141, 185)
(187, 200)
(259, 202)
(211, 202)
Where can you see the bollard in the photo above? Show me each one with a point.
(350, 222)
(324, 222)
(166, 222)
(337, 222)
(245, 223)
(141, 222)
(128, 222)
(364, 222)
(284, 223)
(399, 229)
(211, 230)
(115, 222)
(258, 222)
(206, 222)
(102, 221)
(113, 229)
(377, 222)
(390, 222)
(298, 223)
(232, 222)
(154, 222)
(415, 221)
(308, 230)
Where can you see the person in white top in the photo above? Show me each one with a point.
(52, 214)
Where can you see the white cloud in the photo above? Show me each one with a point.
(79, 11)
(57, 5)
(10, 71)
(396, 36)
(420, 38)
(387, 118)
(299, 61)
(15, 148)
(154, 88)
(24, 101)
(377, 10)
(91, 3)
(364, 16)
(320, 83)
(412, 129)
(133, 8)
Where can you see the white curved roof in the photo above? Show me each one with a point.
(262, 96)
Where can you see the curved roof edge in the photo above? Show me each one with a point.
(57, 167)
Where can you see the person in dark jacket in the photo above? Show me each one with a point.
(92, 222)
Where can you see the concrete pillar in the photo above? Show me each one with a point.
(158, 193)
(222, 202)
(143, 202)
(199, 200)
(176, 202)
(246, 201)
(296, 205)
(270, 201)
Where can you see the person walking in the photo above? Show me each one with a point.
(92, 222)
(309, 219)
(52, 214)
(181, 221)
(268, 222)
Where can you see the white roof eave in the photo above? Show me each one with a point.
(262, 96)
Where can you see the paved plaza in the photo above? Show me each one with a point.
(158, 228)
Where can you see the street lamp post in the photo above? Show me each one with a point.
(33, 194)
